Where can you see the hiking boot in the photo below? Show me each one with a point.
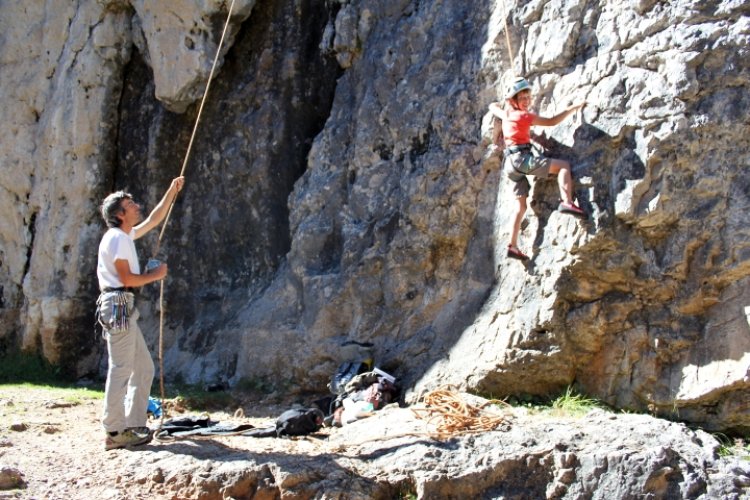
(126, 439)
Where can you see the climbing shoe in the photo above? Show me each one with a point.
(572, 209)
(126, 439)
(515, 253)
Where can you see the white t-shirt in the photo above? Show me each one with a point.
(116, 245)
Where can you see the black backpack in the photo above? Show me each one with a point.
(299, 421)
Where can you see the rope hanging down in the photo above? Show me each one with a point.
(197, 120)
(507, 36)
(171, 205)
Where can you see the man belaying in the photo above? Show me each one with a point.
(131, 369)
(520, 160)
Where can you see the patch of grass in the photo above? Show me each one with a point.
(78, 395)
(533, 404)
(731, 447)
(69, 393)
(568, 404)
(573, 404)
(23, 374)
(17, 400)
(258, 385)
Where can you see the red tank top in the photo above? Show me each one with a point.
(517, 127)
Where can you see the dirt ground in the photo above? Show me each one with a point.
(57, 444)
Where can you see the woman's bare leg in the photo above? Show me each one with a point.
(564, 179)
(520, 211)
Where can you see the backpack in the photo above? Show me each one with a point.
(345, 373)
(372, 388)
(299, 421)
(376, 387)
(359, 360)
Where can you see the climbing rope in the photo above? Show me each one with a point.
(197, 120)
(451, 415)
(171, 205)
(161, 353)
(507, 37)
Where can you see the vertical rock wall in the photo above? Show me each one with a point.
(341, 188)
(645, 304)
(61, 74)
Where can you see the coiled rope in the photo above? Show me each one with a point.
(171, 205)
(451, 415)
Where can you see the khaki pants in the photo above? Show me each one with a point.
(130, 371)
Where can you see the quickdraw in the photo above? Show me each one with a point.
(120, 311)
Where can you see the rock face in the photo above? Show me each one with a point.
(341, 188)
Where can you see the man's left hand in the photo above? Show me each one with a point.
(177, 184)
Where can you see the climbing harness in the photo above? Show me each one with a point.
(527, 164)
(517, 148)
(171, 205)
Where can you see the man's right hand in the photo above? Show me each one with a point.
(160, 272)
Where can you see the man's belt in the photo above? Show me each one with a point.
(109, 289)
(517, 148)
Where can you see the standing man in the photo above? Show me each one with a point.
(131, 369)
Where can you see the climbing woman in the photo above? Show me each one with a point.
(520, 161)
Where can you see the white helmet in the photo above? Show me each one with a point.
(518, 85)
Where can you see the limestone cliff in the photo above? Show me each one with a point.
(341, 187)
